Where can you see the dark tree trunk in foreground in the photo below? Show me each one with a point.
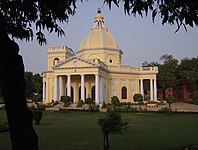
(23, 136)
(106, 141)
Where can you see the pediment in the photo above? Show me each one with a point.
(75, 62)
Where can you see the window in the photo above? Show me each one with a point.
(55, 61)
(124, 92)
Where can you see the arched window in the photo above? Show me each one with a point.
(55, 61)
(124, 92)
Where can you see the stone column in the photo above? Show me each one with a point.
(141, 87)
(56, 89)
(75, 92)
(101, 89)
(69, 85)
(44, 91)
(155, 89)
(82, 87)
(151, 89)
(62, 86)
(88, 89)
(97, 89)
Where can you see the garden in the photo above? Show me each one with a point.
(78, 130)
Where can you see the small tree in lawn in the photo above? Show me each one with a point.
(37, 114)
(115, 101)
(66, 100)
(111, 123)
(170, 100)
(138, 98)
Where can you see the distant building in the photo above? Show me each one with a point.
(95, 70)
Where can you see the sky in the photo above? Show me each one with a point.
(138, 38)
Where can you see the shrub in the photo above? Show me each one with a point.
(89, 101)
(37, 115)
(104, 105)
(194, 98)
(66, 100)
(170, 100)
(80, 103)
(164, 110)
(138, 98)
(94, 108)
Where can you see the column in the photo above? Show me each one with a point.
(75, 92)
(89, 89)
(44, 91)
(97, 90)
(56, 88)
(155, 89)
(141, 87)
(68, 85)
(101, 89)
(151, 89)
(83, 87)
(62, 86)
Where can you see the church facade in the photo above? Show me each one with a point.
(95, 71)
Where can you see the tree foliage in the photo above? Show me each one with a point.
(33, 84)
(188, 69)
(180, 12)
(167, 76)
(24, 19)
(111, 123)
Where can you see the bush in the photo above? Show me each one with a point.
(66, 100)
(94, 108)
(194, 98)
(89, 101)
(164, 110)
(80, 103)
(104, 105)
(37, 115)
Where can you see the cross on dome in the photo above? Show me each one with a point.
(99, 21)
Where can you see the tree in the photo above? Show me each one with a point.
(170, 100)
(167, 76)
(17, 20)
(138, 98)
(111, 123)
(33, 84)
(29, 84)
(188, 69)
(180, 12)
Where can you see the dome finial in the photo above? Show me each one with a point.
(99, 11)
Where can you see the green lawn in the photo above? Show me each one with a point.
(79, 131)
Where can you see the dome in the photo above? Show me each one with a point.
(99, 37)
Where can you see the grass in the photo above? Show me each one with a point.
(79, 131)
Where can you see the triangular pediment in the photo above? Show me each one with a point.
(75, 62)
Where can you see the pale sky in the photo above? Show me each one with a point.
(139, 38)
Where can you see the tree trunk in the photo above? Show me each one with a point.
(107, 141)
(12, 83)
